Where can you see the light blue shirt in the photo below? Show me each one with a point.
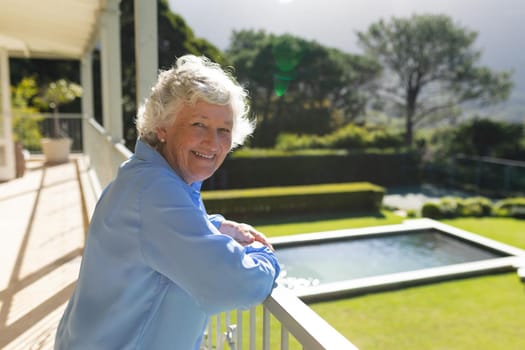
(155, 266)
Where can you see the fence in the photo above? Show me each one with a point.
(483, 175)
(70, 124)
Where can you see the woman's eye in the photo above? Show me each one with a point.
(198, 124)
(224, 130)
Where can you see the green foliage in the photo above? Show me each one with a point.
(450, 206)
(481, 137)
(431, 210)
(513, 207)
(26, 119)
(299, 86)
(351, 136)
(428, 53)
(289, 142)
(274, 152)
(412, 213)
(56, 94)
(282, 201)
(453, 207)
(476, 206)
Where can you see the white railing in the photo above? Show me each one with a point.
(105, 155)
(308, 330)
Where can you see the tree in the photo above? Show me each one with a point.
(431, 65)
(297, 85)
(56, 94)
(484, 137)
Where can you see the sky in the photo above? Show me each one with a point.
(500, 23)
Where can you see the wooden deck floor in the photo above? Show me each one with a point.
(43, 220)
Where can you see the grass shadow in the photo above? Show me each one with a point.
(276, 219)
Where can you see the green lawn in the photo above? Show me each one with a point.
(479, 313)
(506, 230)
(314, 223)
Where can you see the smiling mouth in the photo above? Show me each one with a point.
(202, 155)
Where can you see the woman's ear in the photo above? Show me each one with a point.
(161, 133)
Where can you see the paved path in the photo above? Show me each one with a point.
(413, 197)
(42, 231)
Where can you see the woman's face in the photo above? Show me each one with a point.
(198, 141)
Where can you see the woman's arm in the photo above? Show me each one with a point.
(179, 241)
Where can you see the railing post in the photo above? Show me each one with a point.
(239, 330)
(284, 338)
(266, 329)
(252, 328)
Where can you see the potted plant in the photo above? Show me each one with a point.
(56, 147)
(26, 121)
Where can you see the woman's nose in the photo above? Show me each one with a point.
(211, 139)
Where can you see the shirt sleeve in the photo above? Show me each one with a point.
(181, 242)
(216, 220)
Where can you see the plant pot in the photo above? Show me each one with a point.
(20, 162)
(56, 150)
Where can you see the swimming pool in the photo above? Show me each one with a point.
(347, 262)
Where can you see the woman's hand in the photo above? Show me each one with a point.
(244, 234)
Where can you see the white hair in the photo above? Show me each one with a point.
(193, 79)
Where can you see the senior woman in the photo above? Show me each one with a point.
(155, 264)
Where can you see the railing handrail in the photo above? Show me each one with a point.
(312, 331)
(493, 160)
(49, 115)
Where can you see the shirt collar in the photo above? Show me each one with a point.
(144, 151)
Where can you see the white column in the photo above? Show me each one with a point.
(7, 152)
(146, 47)
(111, 70)
(86, 79)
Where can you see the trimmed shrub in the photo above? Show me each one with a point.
(476, 206)
(279, 201)
(431, 210)
(514, 207)
(351, 136)
(450, 207)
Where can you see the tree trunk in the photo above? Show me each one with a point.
(56, 125)
(410, 111)
(409, 127)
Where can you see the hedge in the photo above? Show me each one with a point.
(381, 169)
(514, 207)
(451, 207)
(279, 201)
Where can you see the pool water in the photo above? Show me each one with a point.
(353, 258)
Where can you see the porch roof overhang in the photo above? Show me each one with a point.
(64, 29)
